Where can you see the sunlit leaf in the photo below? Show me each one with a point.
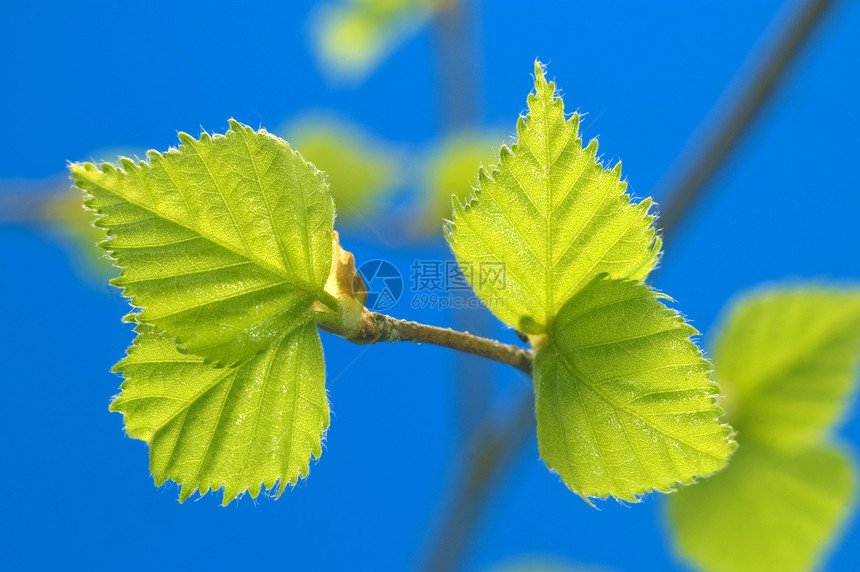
(225, 242)
(232, 427)
(624, 400)
(553, 216)
(226, 249)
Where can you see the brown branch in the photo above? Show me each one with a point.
(375, 328)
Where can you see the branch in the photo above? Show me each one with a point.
(493, 445)
(375, 328)
(25, 201)
(459, 108)
(457, 62)
(731, 124)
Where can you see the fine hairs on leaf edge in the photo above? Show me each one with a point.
(509, 149)
(693, 334)
(124, 164)
(273, 488)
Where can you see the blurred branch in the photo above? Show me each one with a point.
(22, 209)
(698, 167)
(457, 63)
(24, 201)
(459, 101)
(496, 446)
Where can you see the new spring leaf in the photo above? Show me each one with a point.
(242, 427)
(226, 249)
(553, 216)
(625, 404)
(225, 242)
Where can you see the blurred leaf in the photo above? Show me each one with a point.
(452, 169)
(359, 169)
(624, 399)
(351, 37)
(788, 360)
(766, 510)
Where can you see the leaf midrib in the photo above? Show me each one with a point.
(269, 215)
(549, 274)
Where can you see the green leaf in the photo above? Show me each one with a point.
(766, 511)
(351, 37)
(225, 242)
(359, 169)
(235, 427)
(553, 216)
(787, 360)
(624, 400)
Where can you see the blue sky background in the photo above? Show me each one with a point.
(76, 78)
